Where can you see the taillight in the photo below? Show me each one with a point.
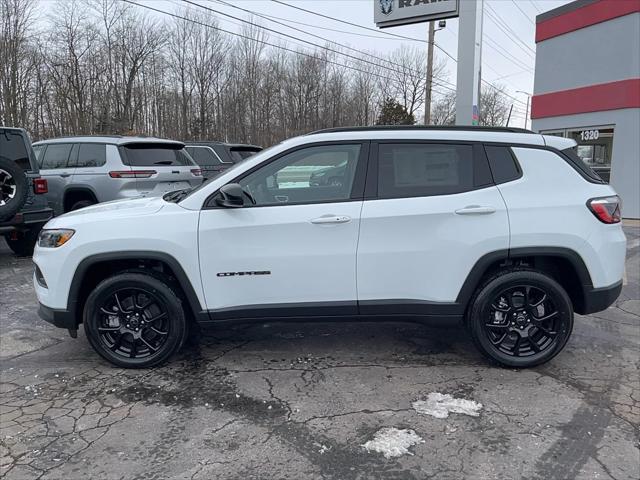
(606, 209)
(132, 174)
(197, 172)
(40, 185)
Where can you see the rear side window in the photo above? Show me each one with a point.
(155, 154)
(204, 156)
(56, 156)
(418, 170)
(13, 147)
(92, 155)
(502, 163)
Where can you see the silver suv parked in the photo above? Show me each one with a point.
(82, 171)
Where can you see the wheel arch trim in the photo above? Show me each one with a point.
(142, 255)
(508, 255)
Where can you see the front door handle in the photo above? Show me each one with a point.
(328, 219)
(476, 210)
(65, 175)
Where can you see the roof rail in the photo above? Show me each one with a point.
(422, 127)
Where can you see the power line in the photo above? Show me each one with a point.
(367, 28)
(280, 47)
(523, 12)
(417, 73)
(393, 35)
(491, 43)
(353, 57)
(506, 29)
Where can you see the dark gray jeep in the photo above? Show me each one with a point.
(23, 210)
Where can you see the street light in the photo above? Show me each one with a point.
(526, 116)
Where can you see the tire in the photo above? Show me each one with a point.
(148, 322)
(24, 242)
(14, 188)
(520, 318)
(81, 204)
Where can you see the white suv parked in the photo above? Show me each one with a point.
(502, 228)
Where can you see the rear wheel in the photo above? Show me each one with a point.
(134, 320)
(520, 318)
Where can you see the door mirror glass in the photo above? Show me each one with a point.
(231, 196)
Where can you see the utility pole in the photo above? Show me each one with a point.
(526, 115)
(509, 117)
(427, 96)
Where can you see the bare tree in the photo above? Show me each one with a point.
(494, 106)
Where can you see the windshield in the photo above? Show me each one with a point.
(263, 154)
(150, 154)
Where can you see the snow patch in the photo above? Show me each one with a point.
(439, 405)
(393, 442)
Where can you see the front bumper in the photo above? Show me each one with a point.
(598, 299)
(58, 318)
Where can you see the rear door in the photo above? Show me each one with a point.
(160, 167)
(432, 212)
(57, 167)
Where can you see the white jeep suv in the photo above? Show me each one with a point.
(504, 229)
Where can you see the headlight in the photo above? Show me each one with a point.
(54, 238)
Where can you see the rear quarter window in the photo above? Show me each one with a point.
(503, 164)
(155, 154)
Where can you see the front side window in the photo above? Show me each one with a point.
(417, 170)
(155, 154)
(92, 155)
(310, 175)
(56, 156)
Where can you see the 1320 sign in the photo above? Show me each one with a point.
(586, 135)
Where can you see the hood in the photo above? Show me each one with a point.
(109, 210)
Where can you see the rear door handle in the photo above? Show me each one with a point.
(65, 175)
(327, 219)
(476, 210)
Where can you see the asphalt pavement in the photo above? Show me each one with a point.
(319, 401)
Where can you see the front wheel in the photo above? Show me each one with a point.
(134, 320)
(520, 318)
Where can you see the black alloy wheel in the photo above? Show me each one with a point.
(135, 320)
(521, 318)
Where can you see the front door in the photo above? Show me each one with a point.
(291, 250)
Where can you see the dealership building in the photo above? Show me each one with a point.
(587, 87)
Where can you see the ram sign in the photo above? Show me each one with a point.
(391, 13)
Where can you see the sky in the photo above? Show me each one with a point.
(508, 54)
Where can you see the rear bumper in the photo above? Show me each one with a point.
(26, 220)
(58, 318)
(598, 299)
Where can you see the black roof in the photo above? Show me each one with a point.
(472, 128)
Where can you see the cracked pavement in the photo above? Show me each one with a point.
(299, 400)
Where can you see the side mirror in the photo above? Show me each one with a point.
(231, 196)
